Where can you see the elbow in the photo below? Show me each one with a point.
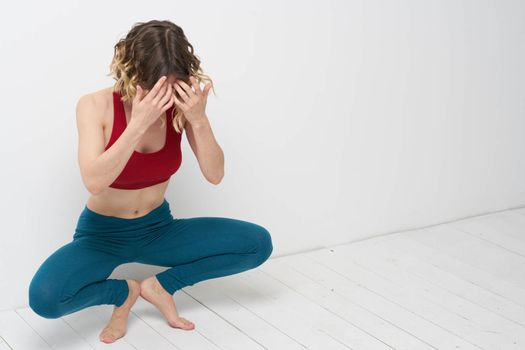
(91, 181)
(93, 187)
(94, 190)
(216, 180)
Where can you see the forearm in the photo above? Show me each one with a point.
(106, 168)
(209, 153)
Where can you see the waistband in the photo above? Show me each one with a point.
(90, 222)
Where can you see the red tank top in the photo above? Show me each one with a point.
(145, 169)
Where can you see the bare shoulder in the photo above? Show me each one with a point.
(93, 106)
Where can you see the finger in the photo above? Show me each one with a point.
(139, 94)
(186, 87)
(207, 89)
(169, 104)
(181, 92)
(195, 85)
(153, 92)
(177, 101)
(160, 94)
(166, 96)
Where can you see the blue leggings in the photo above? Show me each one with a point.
(195, 249)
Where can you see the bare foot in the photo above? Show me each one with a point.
(116, 327)
(152, 291)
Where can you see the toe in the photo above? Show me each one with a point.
(109, 335)
(183, 323)
(187, 323)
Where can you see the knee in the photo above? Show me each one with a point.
(44, 298)
(264, 244)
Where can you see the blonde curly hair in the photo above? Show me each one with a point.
(147, 52)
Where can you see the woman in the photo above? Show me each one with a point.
(129, 147)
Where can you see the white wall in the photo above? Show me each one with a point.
(339, 120)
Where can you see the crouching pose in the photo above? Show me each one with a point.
(129, 147)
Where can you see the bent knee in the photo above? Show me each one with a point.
(44, 299)
(264, 244)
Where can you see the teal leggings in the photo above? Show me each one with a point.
(195, 249)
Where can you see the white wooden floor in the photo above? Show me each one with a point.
(459, 285)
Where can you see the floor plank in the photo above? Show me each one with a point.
(349, 310)
(510, 333)
(520, 211)
(279, 308)
(409, 298)
(477, 252)
(212, 296)
(56, 332)
(17, 334)
(4, 345)
(459, 268)
(399, 252)
(362, 292)
(505, 229)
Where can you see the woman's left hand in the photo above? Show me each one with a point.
(194, 102)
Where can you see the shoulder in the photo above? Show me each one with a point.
(94, 105)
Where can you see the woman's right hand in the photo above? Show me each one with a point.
(146, 110)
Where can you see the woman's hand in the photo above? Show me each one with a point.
(193, 103)
(146, 110)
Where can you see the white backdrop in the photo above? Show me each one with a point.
(340, 120)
